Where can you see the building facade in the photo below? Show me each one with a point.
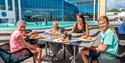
(88, 7)
(39, 10)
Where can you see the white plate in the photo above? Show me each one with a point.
(76, 34)
(59, 40)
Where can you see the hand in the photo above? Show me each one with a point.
(35, 31)
(83, 34)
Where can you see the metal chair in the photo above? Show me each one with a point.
(14, 57)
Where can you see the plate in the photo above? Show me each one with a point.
(59, 40)
(76, 34)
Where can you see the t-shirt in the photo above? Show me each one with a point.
(121, 28)
(110, 38)
(16, 41)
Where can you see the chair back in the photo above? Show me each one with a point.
(116, 30)
(5, 46)
(5, 56)
(14, 57)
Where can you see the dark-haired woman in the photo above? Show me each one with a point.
(79, 27)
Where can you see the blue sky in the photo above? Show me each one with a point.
(117, 4)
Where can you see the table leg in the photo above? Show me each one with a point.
(64, 51)
(46, 57)
(74, 47)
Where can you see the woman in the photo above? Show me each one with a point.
(80, 26)
(109, 44)
(17, 41)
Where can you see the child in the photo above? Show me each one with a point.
(109, 41)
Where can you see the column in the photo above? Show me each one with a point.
(101, 8)
(13, 8)
(19, 9)
(6, 4)
(94, 10)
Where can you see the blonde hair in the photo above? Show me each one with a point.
(103, 18)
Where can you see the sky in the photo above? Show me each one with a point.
(117, 4)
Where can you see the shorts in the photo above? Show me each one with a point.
(93, 54)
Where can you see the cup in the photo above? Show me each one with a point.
(69, 36)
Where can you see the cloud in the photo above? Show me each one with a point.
(117, 4)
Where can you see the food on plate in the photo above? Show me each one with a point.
(54, 33)
(86, 38)
(64, 38)
(36, 36)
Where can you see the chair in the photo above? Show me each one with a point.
(120, 36)
(14, 57)
(1, 60)
(119, 58)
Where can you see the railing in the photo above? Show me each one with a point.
(3, 22)
(91, 23)
(6, 22)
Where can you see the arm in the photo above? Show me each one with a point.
(21, 40)
(87, 29)
(73, 28)
(100, 48)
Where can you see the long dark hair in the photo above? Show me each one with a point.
(81, 16)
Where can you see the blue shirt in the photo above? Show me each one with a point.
(110, 38)
(121, 28)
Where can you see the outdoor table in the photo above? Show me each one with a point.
(74, 41)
